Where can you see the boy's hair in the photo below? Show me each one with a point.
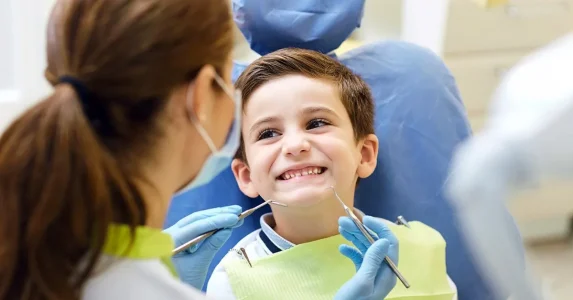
(354, 92)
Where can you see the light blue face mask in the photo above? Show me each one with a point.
(220, 159)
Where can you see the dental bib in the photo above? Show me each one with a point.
(316, 270)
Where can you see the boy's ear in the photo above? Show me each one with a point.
(368, 156)
(243, 177)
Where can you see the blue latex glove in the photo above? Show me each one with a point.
(192, 264)
(373, 278)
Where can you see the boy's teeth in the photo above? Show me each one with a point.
(298, 173)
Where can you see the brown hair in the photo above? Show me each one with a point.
(69, 165)
(354, 92)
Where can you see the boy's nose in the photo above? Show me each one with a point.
(295, 145)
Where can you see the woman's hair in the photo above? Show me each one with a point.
(69, 165)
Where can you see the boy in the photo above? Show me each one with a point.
(308, 125)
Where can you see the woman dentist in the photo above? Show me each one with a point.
(143, 107)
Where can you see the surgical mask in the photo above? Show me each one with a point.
(219, 159)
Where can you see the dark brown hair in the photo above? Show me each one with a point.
(354, 92)
(69, 165)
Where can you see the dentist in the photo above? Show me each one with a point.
(143, 107)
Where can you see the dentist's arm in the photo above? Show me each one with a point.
(192, 264)
(373, 278)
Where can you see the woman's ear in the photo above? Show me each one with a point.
(201, 96)
(243, 177)
(368, 156)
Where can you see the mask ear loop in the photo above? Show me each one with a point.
(196, 122)
(200, 129)
(235, 96)
(224, 86)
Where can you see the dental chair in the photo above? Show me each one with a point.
(420, 119)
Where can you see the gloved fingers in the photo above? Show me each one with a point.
(216, 241)
(386, 280)
(212, 243)
(216, 222)
(382, 231)
(199, 227)
(353, 254)
(192, 249)
(239, 224)
(372, 233)
(191, 269)
(232, 209)
(374, 259)
(360, 244)
(346, 224)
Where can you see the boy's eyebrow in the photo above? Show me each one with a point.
(315, 109)
(260, 122)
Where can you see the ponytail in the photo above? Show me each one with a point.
(60, 189)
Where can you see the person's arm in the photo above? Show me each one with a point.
(138, 279)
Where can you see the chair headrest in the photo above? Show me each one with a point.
(322, 26)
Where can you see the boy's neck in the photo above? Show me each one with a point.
(309, 224)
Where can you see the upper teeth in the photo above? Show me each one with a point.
(301, 172)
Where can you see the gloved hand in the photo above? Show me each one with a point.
(192, 264)
(373, 279)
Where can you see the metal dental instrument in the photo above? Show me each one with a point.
(202, 237)
(369, 237)
(244, 252)
(402, 221)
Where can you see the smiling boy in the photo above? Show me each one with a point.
(308, 125)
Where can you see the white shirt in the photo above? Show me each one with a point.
(219, 286)
(137, 279)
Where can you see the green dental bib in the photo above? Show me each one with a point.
(317, 270)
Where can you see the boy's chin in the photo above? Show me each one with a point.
(302, 198)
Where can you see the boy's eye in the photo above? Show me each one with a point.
(267, 134)
(315, 123)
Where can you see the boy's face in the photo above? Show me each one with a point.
(299, 141)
